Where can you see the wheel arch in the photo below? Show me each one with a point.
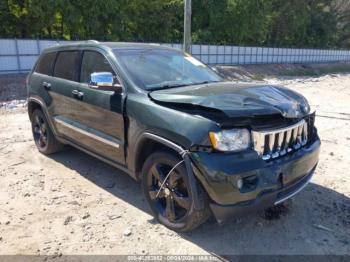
(147, 144)
(167, 145)
(35, 102)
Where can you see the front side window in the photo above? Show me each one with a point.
(45, 64)
(93, 62)
(162, 68)
(66, 65)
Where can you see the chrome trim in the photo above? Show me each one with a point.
(163, 141)
(275, 131)
(271, 142)
(295, 192)
(305, 134)
(287, 140)
(86, 133)
(278, 142)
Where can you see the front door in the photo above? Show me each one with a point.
(101, 114)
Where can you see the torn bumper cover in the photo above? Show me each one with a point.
(265, 200)
(262, 183)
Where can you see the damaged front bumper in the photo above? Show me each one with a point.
(265, 183)
(265, 200)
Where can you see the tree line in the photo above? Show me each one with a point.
(294, 23)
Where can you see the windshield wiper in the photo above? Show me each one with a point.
(204, 82)
(167, 86)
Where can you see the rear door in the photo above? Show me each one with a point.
(63, 90)
(101, 112)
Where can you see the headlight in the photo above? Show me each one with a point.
(230, 140)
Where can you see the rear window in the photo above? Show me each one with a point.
(45, 64)
(66, 65)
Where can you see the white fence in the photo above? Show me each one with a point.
(20, 55)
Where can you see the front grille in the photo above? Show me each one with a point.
(275, 143)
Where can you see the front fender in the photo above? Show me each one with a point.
(180, 128)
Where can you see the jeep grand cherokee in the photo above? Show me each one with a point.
(199, 145)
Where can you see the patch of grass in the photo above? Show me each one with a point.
(336, 68)
(260, 72)
(258, 77)
(299, 72)
(317, 71)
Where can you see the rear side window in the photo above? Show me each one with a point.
(93, 62)
(45, 64)
(66, 65)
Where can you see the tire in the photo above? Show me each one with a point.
(173, 206)
(45, 140)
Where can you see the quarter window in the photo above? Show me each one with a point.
(66, 65)
(45, 64)
(93, 62)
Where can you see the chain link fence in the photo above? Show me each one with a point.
(19, 55)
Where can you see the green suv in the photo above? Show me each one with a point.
(199, 145)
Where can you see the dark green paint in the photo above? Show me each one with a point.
(183, 116)
(238, 100)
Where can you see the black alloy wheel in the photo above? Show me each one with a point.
(45, 140)
(40, 131)
(170, 198)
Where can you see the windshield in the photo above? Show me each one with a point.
(154, 69)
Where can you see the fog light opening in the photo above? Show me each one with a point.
(249, 183)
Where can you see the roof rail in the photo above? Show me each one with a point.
(92, 41)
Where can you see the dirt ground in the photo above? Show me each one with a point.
(71, 203)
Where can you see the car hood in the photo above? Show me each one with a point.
(237, 100)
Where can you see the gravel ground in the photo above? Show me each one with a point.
(71, 203)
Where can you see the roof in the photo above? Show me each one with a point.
(108, 45)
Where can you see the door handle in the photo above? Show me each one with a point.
(46, 85)
(77, 94)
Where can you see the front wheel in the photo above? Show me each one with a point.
(172, 204)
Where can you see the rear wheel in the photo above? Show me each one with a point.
(45, 140)
(172, 204)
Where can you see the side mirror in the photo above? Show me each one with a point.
(104, 81)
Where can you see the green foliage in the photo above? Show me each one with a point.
(297, 23)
